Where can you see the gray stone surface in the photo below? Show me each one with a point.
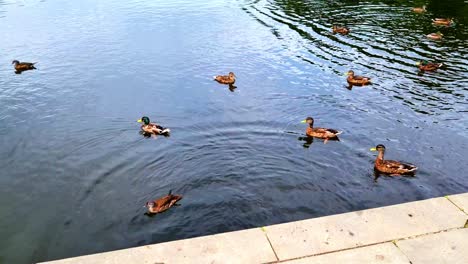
(449, 247)
(386, 253)
(247, 246)
(461, 200)
(337, 232)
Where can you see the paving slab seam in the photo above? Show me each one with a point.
(394, 242)
(367, 245)
(271, 245)
(459, 208)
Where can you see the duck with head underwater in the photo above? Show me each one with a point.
(391, 167)
(319, 132)
(428, 66)
(419, 9)
(435, 36)
(340, 30)
(447, 22)
(162, 204)
(152, 128)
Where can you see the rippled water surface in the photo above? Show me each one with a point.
(75, 172)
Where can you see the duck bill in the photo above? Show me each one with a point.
(418, 63)
(304, 121)
(373, 149)
(139, 121)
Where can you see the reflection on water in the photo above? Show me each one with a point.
(76, 172)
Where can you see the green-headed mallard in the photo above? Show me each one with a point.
(419, 9)
(152, 128)
(394, 168)
(428, 66)
(162, 204)
(435, 36)
(318, 132)
(23, 66)
(341, 30)
(357, 80)
(448, 22)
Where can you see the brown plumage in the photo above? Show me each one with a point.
(162, 204)
(318, 132)
(435, 36)
(443, 22)
(419, 9)
(23, 66)
(428, 66)
(392, 167)
(341, 30)
(357, 80)
(226, 79)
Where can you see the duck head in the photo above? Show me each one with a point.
(232, 75)
(145, 120)
(309, 120)
(379, 148)
(350, 73)
(150, 206)
(15, 62)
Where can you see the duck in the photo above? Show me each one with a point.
(435, 36)
(318, 132)
(428, 66)
(443, 22)
(420, 9)
(341, 30)
(152, 128)
(391, 167)
(162, 204)
(357, 80)
(23, 66)
(226, 79)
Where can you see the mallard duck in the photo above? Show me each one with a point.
(357, 80)
(428, 66)
(162, 204)
(341, 30)
(394, 168)
(226, 79)
(23, 66)
(420, 9)
(152, 128)
(435, 36)
(443, 22)
(318, 132)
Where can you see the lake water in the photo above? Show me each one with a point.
(75, 172)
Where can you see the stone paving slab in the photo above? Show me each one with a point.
(386, 253)
(337, 232)
(461, 200)
(449, 247)
(247, 246)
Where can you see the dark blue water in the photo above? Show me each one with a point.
(75, 172)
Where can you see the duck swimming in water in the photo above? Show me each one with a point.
(435, 36)
(226, 79)
(23, 66)
(152, 128)
(448, 22)
(419, 9)
(428, 66)
(318, 132)
(394, 168)
(357, 80)
(162, 204)
(340, 30)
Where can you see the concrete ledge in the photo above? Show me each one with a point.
(392, 234)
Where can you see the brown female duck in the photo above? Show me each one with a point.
(419, 9)
(152, 128)
(357, 80)
(394, 168)
(162, 204)
(226, 79)
(435, 36)
(340, 30)
(318, 132)
(23, 66)
(428, 66)
(448, 22)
